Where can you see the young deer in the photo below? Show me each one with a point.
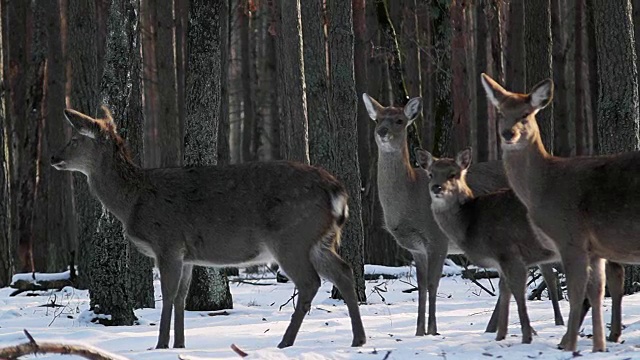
(493, 230)
(586, 207)
(405, 200)
(218, 215)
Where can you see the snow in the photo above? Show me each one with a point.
(256, 325)
(36, 277)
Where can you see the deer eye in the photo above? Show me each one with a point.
(399, 121)
(430, 176)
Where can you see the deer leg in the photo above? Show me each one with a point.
(595, 292)
(305, 277)
(170, 274)
(576, 263)
(615, 281)
(516, 277)
(178, 304)
(551, 280)
(421, 276)
(330, 266)
(492, 326)
(436, 256)
(503, 305)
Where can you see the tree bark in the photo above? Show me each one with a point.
(248, 101)
(321, 133)
(343, 112)
(618, 98)
(538, 42)
(209, 288)
(294, 101)
(442, 104)
(459, 88)
(223, 148)
(495, 14)
(483, 122)
(86, 70)
(427, 66)
(593, 75)
(516, 52)
(396, 70)
(582, 142)
(564, 126)
(61, 237)
(6, 244)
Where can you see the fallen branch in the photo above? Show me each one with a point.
(32, 347)
(41, 285)
(238, 351)
(479, 274)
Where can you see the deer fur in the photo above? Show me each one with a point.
(405, 201)
(586, 207)
(251, 213)
(493, 231)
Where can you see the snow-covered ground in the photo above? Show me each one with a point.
(256, 325)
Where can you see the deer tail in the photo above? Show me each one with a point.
(339, 206)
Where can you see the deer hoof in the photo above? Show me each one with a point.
(162, 346)
(283, 344)
(358, 342)
(420, 332)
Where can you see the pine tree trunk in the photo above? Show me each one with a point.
(538, 42)
(565, 126)
(294, 99)
(209, 288)
(343, 113)
(61, 236)
(618, 98)
(321, 134)
(425, 28)
(516, 52)
(223, 149)
(6, 244)
(248, 102)
(582, 142)
(442, 105)
(495, 18)
(593, 75)
(86, 72)
(459, 87)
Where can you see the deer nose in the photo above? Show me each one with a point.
(436, 189)
(383, 131)
(508, 134)
(55, 159)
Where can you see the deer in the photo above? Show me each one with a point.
(493, 231)
(229, 215)
(586, 207)
(405, 200)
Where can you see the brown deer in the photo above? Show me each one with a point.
(492, 230)
(251, 213)
(585, 207)
(405, 200)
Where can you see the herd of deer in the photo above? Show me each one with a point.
(531, 208)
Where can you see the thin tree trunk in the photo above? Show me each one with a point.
(209, 286)
(425, 25)
(343, 112)
(321, 133)
(483, 127)
(494, 14)
(538, 60)
(248, 100)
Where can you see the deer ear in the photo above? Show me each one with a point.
(495, 92)
(541, 94)
(423, 157)
(463, 159)
(373, 107)
(84, 124)
(413, 109)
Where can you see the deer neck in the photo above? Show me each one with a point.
(395, 174)
(451, 218)
(525, 167)
(117, 184)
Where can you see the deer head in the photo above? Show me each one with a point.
(518, 124)
(392, 122)
(92, 141)
(446, 176)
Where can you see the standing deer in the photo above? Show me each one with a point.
(405, 200)
(251, 213)
(586, 207)
(493, 230)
